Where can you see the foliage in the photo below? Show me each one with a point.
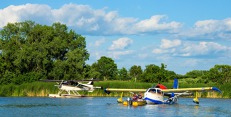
(28, 89)
(123, 74)
(154, 73)
(136, 72)
(220, 74)
(195, 73)
(30, 51)
(106, 67)
(90, 72)
(225, 88)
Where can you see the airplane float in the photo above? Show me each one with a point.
(72, 87)
(155, 95)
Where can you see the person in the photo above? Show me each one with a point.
(140, 95)
(135, 97)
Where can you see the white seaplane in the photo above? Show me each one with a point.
(71, 88)
(156, 94)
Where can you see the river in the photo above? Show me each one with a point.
(108, 107)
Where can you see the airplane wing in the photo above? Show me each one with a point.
(201, 89)
(108, 90)
(84, 80)
(179, 90)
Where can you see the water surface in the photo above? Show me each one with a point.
(108, 107)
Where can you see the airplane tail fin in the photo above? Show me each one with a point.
(175, 84)
(91, 82)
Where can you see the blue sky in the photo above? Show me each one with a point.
(184, 35)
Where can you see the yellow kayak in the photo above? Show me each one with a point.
(135, 103)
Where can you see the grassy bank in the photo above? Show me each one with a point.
(45, 88)
(28, 89)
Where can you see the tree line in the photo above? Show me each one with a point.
(30, 51)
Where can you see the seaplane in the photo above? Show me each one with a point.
(158, 94)
(71, 88)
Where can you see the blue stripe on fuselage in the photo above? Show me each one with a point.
(154, 101)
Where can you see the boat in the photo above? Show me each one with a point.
(136, 100)
(134, 103)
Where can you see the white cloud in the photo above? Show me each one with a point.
(191, 49)
(156, 23)
(118, 54)
(210, 29)
(11, 14)
(169, 44)
(86, 20)
(117, 50)
(203, 48)
(120, 43)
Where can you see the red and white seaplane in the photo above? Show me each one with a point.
(157, 94)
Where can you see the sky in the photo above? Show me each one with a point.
(185, 35)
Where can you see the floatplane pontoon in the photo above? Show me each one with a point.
(157, 94)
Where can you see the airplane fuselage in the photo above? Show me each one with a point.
(74, 88)
(156, 96)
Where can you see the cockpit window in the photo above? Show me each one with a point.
(152, 90)
(158, 91)
(155, 91)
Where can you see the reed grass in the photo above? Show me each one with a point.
(28, 89)
(45, 88)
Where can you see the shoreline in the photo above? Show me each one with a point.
(42, 93)
(41, 89)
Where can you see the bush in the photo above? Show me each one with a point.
(27, 78)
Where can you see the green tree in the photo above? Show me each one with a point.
(123, 74)
(90, 72)
(53, 51)
(150, 73)
(220, 74)
(162, 74)
(1, 67)
(135, 72)
(106, 67)
(154, 73)
(195, 73)
(171, 75)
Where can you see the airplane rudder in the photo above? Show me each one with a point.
(175, 83)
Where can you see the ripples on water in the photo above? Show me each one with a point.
(108, 107)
